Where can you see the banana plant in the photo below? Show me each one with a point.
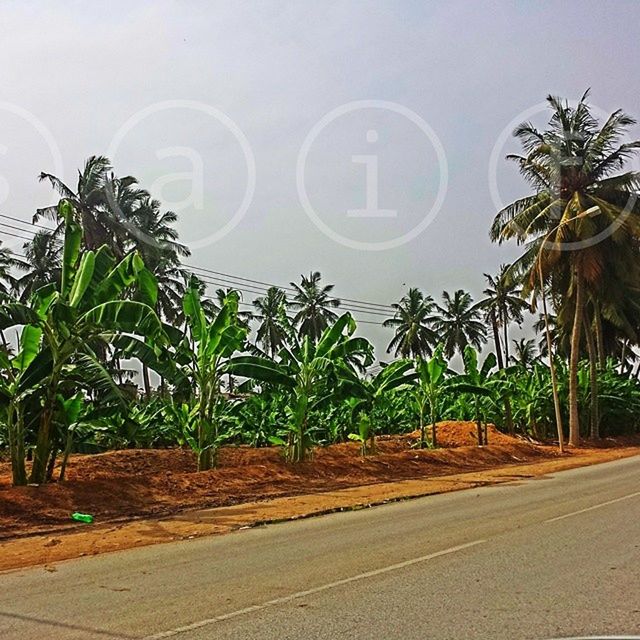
(369, 393)
(12, 397)
(476, 381)
(77, 320)
(204, 351)
(307, 371)
(432, 383)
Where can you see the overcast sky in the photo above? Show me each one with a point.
(264, 124)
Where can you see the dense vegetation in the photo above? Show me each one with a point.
(102, 297)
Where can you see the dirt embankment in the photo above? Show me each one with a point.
(120, 488)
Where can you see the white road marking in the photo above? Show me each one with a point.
(301, 594)
(595, 506)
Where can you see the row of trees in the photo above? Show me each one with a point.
(106, 286)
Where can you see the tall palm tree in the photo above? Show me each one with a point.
(8, 263)
(271, 309)
(414, 334)
(152, 234)
(89, 201)
(503, 304)
(582, 202)
(525, 352)
(314, 305)
(459, 323)
(42, 265)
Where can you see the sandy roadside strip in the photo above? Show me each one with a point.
(44, 549)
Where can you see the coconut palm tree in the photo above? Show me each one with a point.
(414, 335)
(581, 201)
(8, 262)
(458, 323)
(152, 233)
(42, 265)
(503, 304)
(525, 352)
(271, 309)
(314, 305)
(88, 199)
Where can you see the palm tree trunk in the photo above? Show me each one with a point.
(574, 415)
(599, 338)
(594, 418)
(508, 416)
(496, 339)
(505, 331)
(552, 366)
(146, 381)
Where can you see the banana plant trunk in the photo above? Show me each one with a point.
(434, 439)
(479, 422)
(574, 415)
(42, 451)
(16, 446)
(423, 434)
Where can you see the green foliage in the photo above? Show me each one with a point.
(204, 352)
(304, 372)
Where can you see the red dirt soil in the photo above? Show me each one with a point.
(123, 485)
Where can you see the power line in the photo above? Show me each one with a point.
(225, 279)
(382, 307)
(28, 222)
(227, 276)
(13, 235)
(255, 287)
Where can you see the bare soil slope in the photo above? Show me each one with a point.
(123, 485)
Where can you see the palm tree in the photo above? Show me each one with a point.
(503, 304)
(525, 352)
(313, 304)
(459, 323)
(88, 200)
(152, 234)
(42, 265)
(270, 311)
(8, 262)
(581, 202)
(558, 336)
(414, 335)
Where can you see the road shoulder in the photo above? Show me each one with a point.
(53, 547)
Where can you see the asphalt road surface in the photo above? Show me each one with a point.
(545, 558)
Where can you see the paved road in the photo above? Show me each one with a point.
(552, 557)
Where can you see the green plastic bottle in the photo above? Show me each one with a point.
(82, 517)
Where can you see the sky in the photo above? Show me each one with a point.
(362, 139)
